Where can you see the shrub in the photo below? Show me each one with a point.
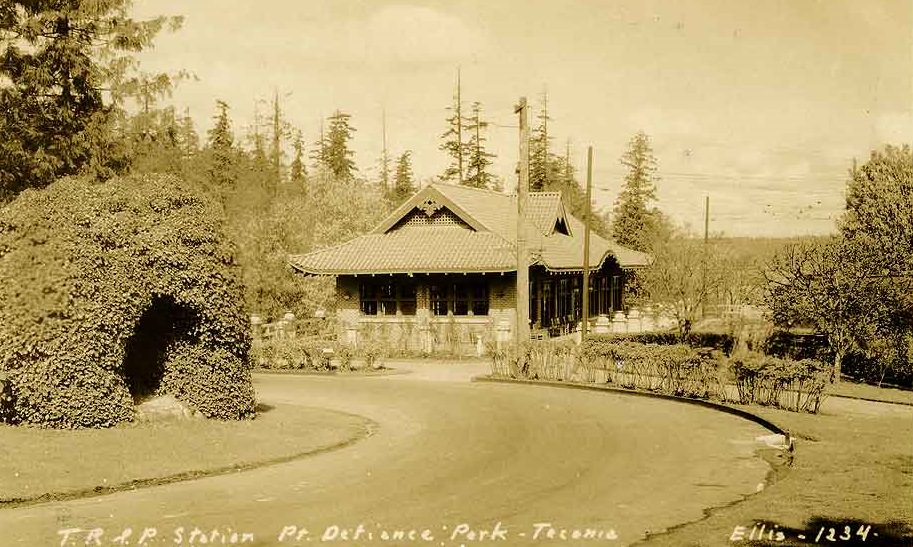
(671, 369)
(214, 382)
(298, 353)
(116, 291)
(799, 346)
(786, 383)
(372, 352)
(721, 341)
(537, 360)
(344, 355)
(791, 345)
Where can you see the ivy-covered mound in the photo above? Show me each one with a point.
(114, 292)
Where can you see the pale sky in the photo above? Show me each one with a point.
(760, 105)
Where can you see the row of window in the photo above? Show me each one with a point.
(560, 298)
(392, 297)
(387, 298)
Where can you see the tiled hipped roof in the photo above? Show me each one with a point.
(448, 228)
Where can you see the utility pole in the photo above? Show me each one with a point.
(586, 246)
(522, 330)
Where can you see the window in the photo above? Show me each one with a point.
(479, 299)
(368, 297)
(605, 299)
(388, 297)
(564, 299)
(593, 288)
(407, 298)
(437, 294)
(548, 304)
(387, 292)
(617, 292)
(576, 302)
(458, 298)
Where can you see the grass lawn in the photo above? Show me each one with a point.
(866, 391)
(853, 467)
(53, 464)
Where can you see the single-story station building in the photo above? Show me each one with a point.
(439, 273)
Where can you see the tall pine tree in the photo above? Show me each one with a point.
(403, 179)
(635, 223)
(220, 148)
(57, 57)
(454, 138)
(478, 175)
(541, 161)
(338, 157)
(298, 170)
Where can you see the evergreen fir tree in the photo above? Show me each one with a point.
(403, 179)
(339, 159)
(298, 170)
(541, 161)
(454, 143)
(479, 158)
(187, 135)
(635, 224)
(220, 144)
(57, 57)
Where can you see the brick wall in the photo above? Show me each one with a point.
(502, 291)
(347, 308)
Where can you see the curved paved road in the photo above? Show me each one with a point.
(447, 452)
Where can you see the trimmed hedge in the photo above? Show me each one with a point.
(721, 341)
(313, 354)
(84, 267)
(795, 385)
(671, 369)
(677, 369)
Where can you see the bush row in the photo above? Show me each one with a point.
(721, 341)
(672, 369)
(796, 346)
(796, 385)
(313, 354)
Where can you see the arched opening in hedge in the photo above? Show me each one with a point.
(162, 323)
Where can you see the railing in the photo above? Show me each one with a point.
(290, 327)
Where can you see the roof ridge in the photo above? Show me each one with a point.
(470, 188)
(331, 247)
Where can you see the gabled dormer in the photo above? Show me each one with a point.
(546, 211)
(561, 226)
(429, 207)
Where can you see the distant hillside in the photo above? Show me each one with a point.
(756, 250)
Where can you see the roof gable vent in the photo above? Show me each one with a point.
(423, 216)
(561, 226)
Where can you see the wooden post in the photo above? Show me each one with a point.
(586, 245)
(522, 251)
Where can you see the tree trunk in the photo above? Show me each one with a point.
(838, 362)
